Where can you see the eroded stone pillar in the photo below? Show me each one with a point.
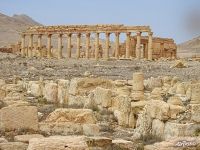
(138, 86)
(23, 45)
(49, 55)
(30, 47)
(150, 46)
(97, 46)
(87, 45)
(69, 45)
(40, 45)
(138, 45)
(59, 46)
(107, 46)
(117, 45)
(78, 47)
(128, 39)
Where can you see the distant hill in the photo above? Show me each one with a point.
(10, 26)
(189, 48)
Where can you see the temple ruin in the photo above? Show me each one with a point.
(135, 46)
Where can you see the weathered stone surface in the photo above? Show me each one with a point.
(51, 92)
(152, 83)
(122, 118)
(175, 110)
(3, 140)
(63, 91)
(178, 130)
(58, 143)
(180, 89)
(25, 138)
(121, 144)
(13, 146)
(22, 117)
(179, 64)
(76, 101)
(195, 93)
(122, 103)
(81, 116)
(158, 109)
(2, 93)
(137, 107)
(195, 112)
(35, 88)
(99, 142)
(91, 129)
(103, 97)
(175, 100)
(138, 81)
(179, 143)
(158, 128)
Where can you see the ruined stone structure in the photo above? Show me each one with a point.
(80, 31)
(161, 47)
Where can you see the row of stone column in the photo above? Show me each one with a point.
(88, 47)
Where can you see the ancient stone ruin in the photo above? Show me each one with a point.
(135, 46)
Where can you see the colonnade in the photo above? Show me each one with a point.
(87, 44)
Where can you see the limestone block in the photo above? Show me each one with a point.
(25, 138)
(152, 83)
(179, 130)
(175, 110)
(61, 128)
(138, 81)
(76, 101)
(51, 92)
(122, 118)
(35, 88)
(122, 103)
(2, 93)
(58, 143)
(195, 112)
(91, 129)
(180, 89)
(13, 146)
(167, 80)
(2, 82)
(12, 88)
(158, 128)
(99, 142)
(179, 64)
(124, 145)
(132, 120)
(103, 97)
(63, 91)
(22, 117)
(175, 100)
(195, 93)
(137, 95)
(137, 107)
(158, 109)
(81, 116)
(3, 140)
(123, 91)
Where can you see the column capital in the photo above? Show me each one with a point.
(88, 34)
(39, 35)
(69, 34)
(128, 33)
(97, 33)
(107, 33)
(139, 33)
(117, 33)
(150, 33)
(60, 35)
(49, 35)
(78, 34)
(23, 35)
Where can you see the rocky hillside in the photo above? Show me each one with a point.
(190, 48)
(10, 26)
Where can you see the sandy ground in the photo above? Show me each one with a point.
(33, 68)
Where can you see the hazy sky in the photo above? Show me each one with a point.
(167, 18)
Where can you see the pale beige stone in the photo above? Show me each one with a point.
(22, 117)
(13, 146)
(51, 92)
(195, 112)
(138, 81)
(180, 89)
(58, 143)
(195, 93)
(98, 142)
(35, 88)
(122, 118)
(122, 103)
(63, 91)
(25, 138)
(158, 128)
(175, 110)
(175, 100)
(91, 129)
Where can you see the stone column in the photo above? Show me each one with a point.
(78, 47)
(87, 45)
(49, 55)
(138, 86)
(59, 46)
(40, 45)
(117, 45)
(30, 47)
(69, 45)
(128, 39)
(23, 45)
(107, 46)
(97, 46)
(138, 45)
(150, 46)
